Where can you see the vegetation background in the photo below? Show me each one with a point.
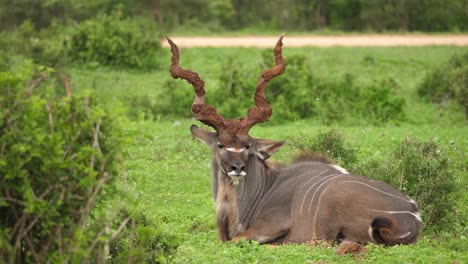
(97, 164)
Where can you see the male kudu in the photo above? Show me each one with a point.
(304, 202)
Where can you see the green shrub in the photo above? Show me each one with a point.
(44, 47)
(50, 52)
(237, 89)
(331, 144)
(424, 175)
(57, 158)
(173, 95)
(448, 82)
(58, 184)
(379, 102)
(140, 241)
(421, 171)
(4, 61)
(18, 41)
(116, 41)
(298, 94)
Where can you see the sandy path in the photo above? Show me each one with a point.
(323, 41)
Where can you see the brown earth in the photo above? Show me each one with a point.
(324, 41)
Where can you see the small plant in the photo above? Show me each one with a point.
(422, 173)
(140, 241)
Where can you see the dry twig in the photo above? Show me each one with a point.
(35, 82)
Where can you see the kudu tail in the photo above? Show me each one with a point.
(385, 231)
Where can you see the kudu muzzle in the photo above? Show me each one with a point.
(235, 166)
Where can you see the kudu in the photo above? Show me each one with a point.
(304, 202)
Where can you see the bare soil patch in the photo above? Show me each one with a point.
(324, 41)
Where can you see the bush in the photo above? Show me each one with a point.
(331, 144)
(44, 47)
(448, 82)
(140, 241)
(299, 94)
(421, 171)
(57, 157)
(116, 41)
(423, 174)
(379, 102)
(172, 94)
(4, 61)
(237, 82)
(58, 162)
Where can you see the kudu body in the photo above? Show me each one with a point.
(304, 202)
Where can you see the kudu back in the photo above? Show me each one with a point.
(304, 202)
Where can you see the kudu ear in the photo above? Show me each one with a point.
(266, 148)
(202, 134)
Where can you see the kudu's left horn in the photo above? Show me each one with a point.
(261, 112)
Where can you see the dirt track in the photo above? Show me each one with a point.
(324, 41)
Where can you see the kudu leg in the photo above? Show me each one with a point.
(265, 231)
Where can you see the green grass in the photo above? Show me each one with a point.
(168, 172)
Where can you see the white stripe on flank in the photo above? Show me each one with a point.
(321, 173)
(316, 190)
(318, 203)
(389, 194)
(236, 150)
(317, 182)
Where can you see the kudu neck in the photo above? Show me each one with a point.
(236, 205)
(251, 190)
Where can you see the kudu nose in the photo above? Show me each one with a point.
(238, 167)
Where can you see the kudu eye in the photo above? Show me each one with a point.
(220, 146)
(247, 146)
